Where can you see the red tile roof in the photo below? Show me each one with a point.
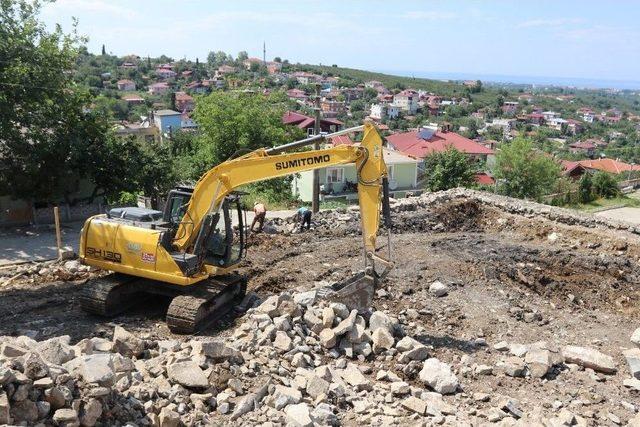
(303, 122)
(583, 145)
(410, 143)
(484, 178)
(608, 165)
(342, 140)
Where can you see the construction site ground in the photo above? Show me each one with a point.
(511, 277)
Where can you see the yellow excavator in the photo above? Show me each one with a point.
(189, 250)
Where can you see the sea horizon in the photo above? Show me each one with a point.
(577, 82)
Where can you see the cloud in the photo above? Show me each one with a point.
(99, 7)
(428, 15)
(538, 23)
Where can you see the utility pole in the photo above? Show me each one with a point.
(315, 200)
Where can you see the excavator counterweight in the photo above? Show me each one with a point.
(189, 250)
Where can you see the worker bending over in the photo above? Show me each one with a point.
(304, 216)
(260, 212)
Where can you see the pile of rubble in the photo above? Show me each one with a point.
(294, 360)
(48, 271)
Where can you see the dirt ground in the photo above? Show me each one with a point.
(513, 279)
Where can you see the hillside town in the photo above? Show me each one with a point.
(190, 237)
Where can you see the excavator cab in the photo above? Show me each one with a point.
(224, 243)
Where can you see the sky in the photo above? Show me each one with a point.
(570, 38)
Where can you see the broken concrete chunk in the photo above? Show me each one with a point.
(589, 358)
(539, 362)
(416, 405)
(299, 415)
(380, 319)
(635, 337)
(438, 289)
(327, 338)
(187, 374)
(125, 343)
(633, 360)
(217, 350)
(382, 340)
(347, 324)
(438, 376)
(283, 396)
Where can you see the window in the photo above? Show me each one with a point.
(335, 175)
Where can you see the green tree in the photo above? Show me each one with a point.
(605, 185)
(527, 173)
(585, 188)
(448, 169)
(104, 52)
(243, 56)
(49, 141)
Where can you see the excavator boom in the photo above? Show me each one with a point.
(195, 240)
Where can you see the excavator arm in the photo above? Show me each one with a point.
(217, 183)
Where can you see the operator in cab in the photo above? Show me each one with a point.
(304, 216)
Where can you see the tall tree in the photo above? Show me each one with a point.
(104, 51)
(526, 172)
(448, 169)
(49, 141)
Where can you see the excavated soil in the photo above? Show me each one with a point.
(500, 265)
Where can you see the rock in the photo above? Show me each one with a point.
(323, 415)
(327, 338)
(187, 374)
(328, 316)
(501, 346)
(380, 319)
(400, 388)
(483, 370)
(436, 406)
(169, 418)
(347, 324)
(305, 298)
(24, 411)
(340, 309)
(518, 350)
(589, 358)
(43, 383)
(56, 350)
(438, 376)
(298, 415)
(633, 360)
(65, 416)
(539, 362)
(511, 406)
(282, 341)
(125, 343)
(55, 397)
(514, 367)
(438, 289)
(91, 413)
(632, 383)
(317, 386)
(382, 340)
(34, 366)
(635, 337)
(43, 409)
(312, 321)
(414, 404)
(250, 402)
(283, 396)
(270, 306)
(94, 368)
(354, 377)
(10, 350)
(168, 346)
(5, 416)
(218, 351)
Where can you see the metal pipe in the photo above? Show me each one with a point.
(308, 141)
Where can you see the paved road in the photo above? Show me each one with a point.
(36, 243)
(631, 215)
(39, 243)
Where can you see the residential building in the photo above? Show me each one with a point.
(341, 181)
(510, 107)
(332, 106)
(535, 118)
(550, 115)
(223, 70)
(159, 88)
(165, 73)
(583, 147)
(133, 99)
(373, 84)
(352, 93)
(297, 95)
(143, 130)
(525, 97)
(307, 123)
(128, 66)
(167, 121)
(383, 111)
(575, 169)
(427, 140)
(198, 87)
(407, 101)
(507, 125)
(126, 85)
(305, 78)
(187, 123)
(556, 123)
(184, 102)
(574, 126)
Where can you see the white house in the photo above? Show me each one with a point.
(382, 111)
(407, 101)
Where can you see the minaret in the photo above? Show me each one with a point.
(264, 53)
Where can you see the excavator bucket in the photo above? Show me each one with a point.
(356, 292)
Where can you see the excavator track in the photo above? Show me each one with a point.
(108, 295)
(189, 313)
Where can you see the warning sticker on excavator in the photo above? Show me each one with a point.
(148, 257)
